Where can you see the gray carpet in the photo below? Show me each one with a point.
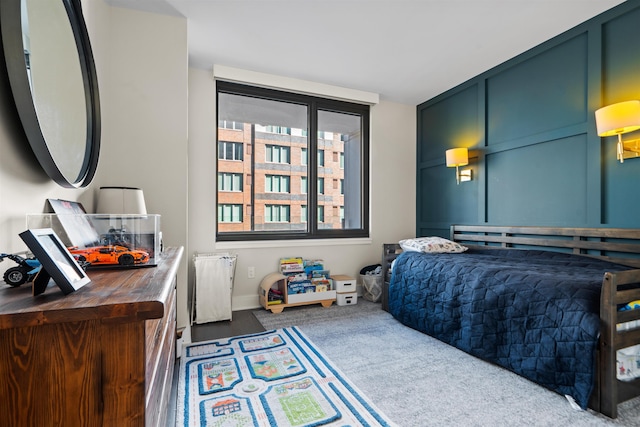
(417, 380)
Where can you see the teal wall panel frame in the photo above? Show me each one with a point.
(530, 127)
(547, 92)
(452, 119)
(621, 82)
(538, 184)
(455, 208)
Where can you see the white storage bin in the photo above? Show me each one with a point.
(628, 363)
(348, 298)
(344, 284)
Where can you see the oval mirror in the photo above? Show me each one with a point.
(53, 80)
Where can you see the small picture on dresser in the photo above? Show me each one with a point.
(57, 262)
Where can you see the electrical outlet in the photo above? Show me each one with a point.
(251, 272)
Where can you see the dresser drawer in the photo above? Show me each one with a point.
(159, 394)
(160, 359)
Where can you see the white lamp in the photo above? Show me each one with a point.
(121, 200)
(616, 119)
(458, 157)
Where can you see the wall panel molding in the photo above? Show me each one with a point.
(538, 158)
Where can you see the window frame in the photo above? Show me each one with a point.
(282, 180)
(314, 105)
(231, 206)
(280, 209)
(235, 150)
(222, 179)
(271, 149)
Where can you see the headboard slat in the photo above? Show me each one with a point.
(604, 243)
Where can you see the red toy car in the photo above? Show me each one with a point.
(110, 254)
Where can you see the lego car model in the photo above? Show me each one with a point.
(110, 254)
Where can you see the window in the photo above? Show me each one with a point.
(288, 138)
(277, 154)
(325, 135)
(303, 185)
(276, 213)
(276, 183)
(229, 213)
(225, 124)
(274, 129)
(229, 150)
(303, 213)
(229, 181)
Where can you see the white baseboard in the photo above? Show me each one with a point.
(245, 302)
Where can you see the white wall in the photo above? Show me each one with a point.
(392, 195)
(145, 120)
(150, 102)
(24, 187)
(142, 67)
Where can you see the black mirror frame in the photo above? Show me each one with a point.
(11, 27)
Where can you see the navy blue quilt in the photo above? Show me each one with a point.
(533, 312)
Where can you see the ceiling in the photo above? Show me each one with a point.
(408, 51)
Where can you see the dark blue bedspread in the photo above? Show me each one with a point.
(533, 312)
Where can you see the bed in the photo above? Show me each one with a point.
(543, 302)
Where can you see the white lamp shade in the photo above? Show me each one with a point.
(121, 200)
(457, 157)
(618, 118)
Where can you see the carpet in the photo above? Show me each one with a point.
(446, 386)
(274, 378)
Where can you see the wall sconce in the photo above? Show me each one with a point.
(616, 119)
(459, 157)
(121, 200)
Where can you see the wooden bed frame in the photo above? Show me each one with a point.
(612, 244)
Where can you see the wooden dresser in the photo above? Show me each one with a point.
(101, 356)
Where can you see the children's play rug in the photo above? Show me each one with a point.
(274, 378)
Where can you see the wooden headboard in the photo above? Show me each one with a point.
(611, 244)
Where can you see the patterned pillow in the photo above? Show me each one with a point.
(433, 245)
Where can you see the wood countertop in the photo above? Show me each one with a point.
(114, 295)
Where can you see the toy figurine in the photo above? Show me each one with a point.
(25, 271)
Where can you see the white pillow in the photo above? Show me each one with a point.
(432, 245)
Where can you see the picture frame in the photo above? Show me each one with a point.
(75, 223)
(57, 262)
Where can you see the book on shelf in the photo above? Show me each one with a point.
(291, 265)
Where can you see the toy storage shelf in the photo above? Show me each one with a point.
(278, 281)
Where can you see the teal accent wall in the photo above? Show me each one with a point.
(530, 128)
